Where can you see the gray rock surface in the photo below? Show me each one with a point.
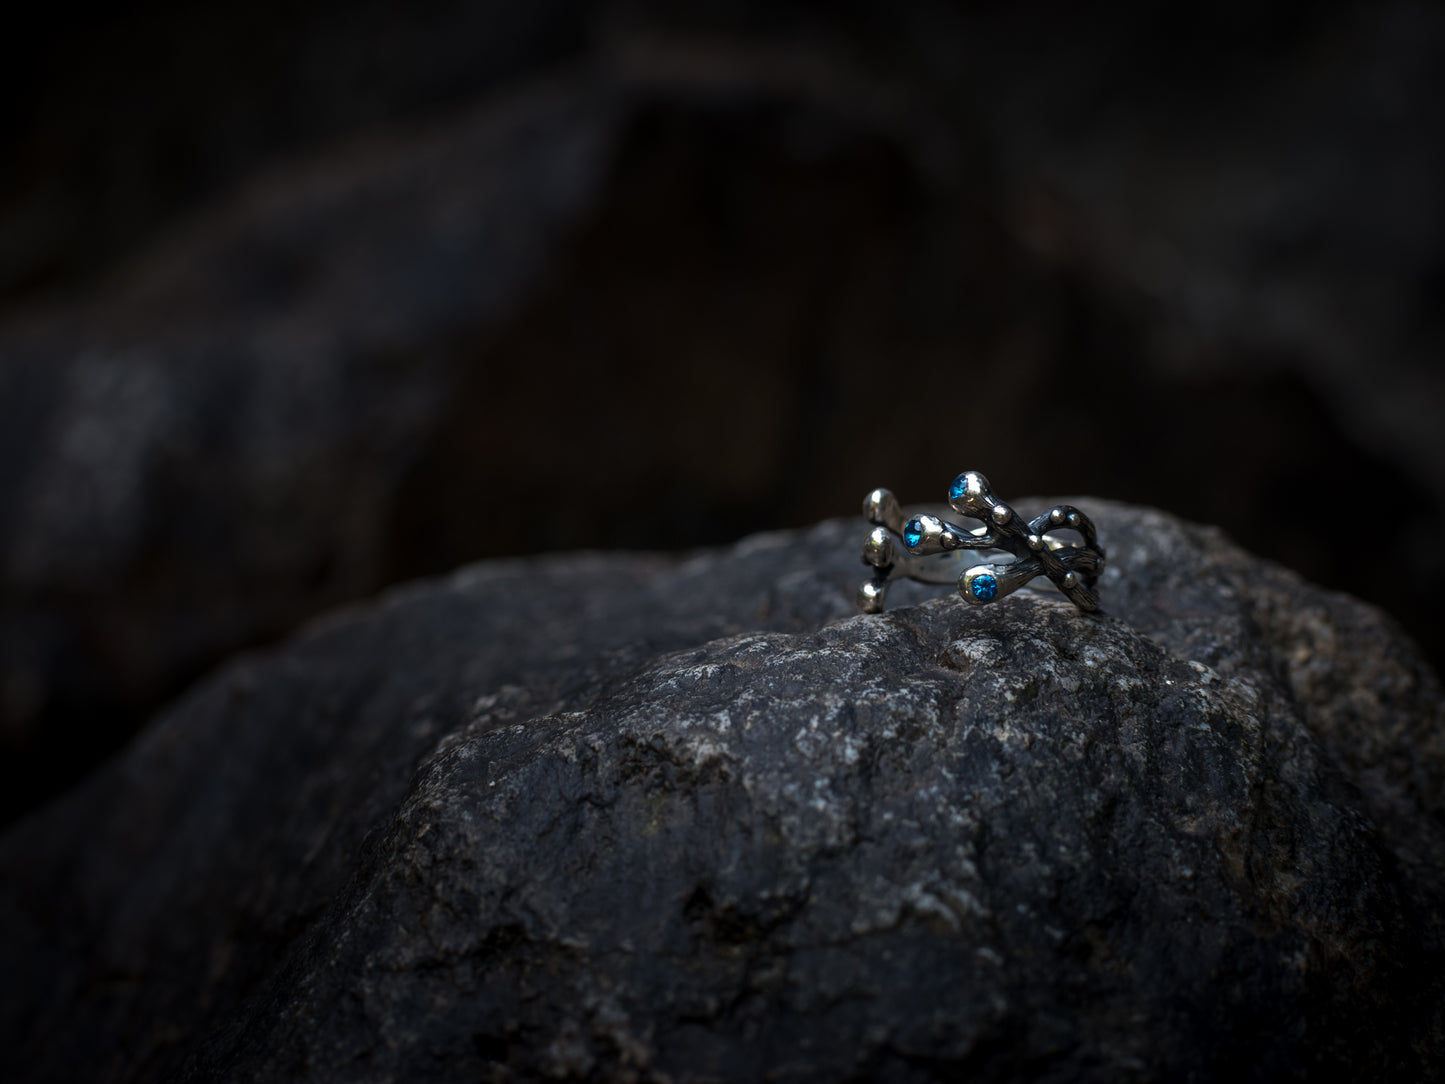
(633, 817)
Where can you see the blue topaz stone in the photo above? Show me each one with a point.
(959, 488)
(983, 586)
(912, 533)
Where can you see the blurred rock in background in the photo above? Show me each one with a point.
(294, 305)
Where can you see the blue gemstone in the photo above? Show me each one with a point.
(984, 587)
(959, 487)
(912, 533)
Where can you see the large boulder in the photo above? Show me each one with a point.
(636, 817)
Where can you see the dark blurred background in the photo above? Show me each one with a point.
(296, 303)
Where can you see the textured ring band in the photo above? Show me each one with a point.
(934, 551)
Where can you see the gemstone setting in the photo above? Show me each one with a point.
(959, 488)
(912, 533)
(984, 587)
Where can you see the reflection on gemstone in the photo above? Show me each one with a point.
(984, 587)
(912, 532)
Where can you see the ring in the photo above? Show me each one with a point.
(933, 551)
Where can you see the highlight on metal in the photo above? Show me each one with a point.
(991, 561)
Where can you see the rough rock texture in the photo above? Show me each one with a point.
(646, 818)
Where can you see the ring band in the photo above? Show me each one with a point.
(934, 551)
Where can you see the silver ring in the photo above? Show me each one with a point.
(990, 562)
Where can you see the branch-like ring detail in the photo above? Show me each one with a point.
(926, 548)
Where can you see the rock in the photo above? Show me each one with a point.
(296, 334)
(635, 817)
